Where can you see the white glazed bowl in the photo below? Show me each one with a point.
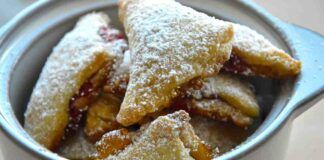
(27, 40)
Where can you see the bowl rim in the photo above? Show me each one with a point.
(248, 147)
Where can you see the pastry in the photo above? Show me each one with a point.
(167, 137)
(101, 114)
(81, 53)
(254, 55)
(98, 99)
(113, 142)
(223, 97)
(171, 44)
(233, 91)
(101, 117)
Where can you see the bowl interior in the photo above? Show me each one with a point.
(36, 37)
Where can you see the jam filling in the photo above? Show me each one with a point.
(78, 104)
(237, 65)
(86, 95)
(117, 85)
(182, 101)
(90, 90)
(110, 34)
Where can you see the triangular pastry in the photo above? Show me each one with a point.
(254, 55)
(222, 97)
(80, 54)
(171, 44)
(167, 137)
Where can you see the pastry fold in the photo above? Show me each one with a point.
(235, 92)
(223, 97)
(171, 45)
(255, 55)
(79, 54)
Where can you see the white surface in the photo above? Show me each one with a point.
(307, 137)
(1, 157)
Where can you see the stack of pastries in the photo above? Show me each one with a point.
(172, 90)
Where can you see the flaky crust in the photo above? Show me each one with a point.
(78, 55)
(167, 137)
(261, 55)
(223, 97)
(171, 45)
(220, 110)
(101, 117)
(233, 91)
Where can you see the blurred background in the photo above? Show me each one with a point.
(307, 137)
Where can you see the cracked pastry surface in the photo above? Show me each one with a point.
(171, 45)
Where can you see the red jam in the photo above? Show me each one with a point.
(87, 94)
(110, 34)
(236, 65)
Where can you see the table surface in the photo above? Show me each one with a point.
(307, 137)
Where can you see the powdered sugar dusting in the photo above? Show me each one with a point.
(77, 56)
(77, 147)
(257, 50)
(251, 41)
(220, 110)
(233, 91)
(164, 138)
(171, 44)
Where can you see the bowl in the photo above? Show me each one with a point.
(27, 40)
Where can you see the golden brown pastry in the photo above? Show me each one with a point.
(101, 117)
(222, 97)
(171, 44)
(117, 83)
(80, 54)
(168, 137)
(123, 94)
(254, 55)
(219, 110)
(113, 142)
(233, 91)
